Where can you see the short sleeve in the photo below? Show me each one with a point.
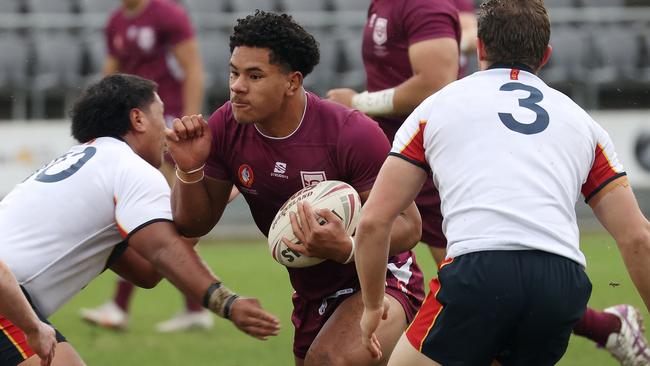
(425, 19)
(141, 196)
(409, 140)
(465, 6)
(361, 150)
(605, 167)
(216, 167)
(176, 24)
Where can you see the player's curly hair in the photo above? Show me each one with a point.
(292, 47)
(102, 110)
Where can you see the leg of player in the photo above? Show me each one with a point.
(339, 341)
(438, 254)
(405, 354)
(65, 355)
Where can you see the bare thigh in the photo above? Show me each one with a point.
(64, 355)
(438, 254)
(339, 342)
(406, 355)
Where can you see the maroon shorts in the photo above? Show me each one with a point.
(309, 317)
(428, 202)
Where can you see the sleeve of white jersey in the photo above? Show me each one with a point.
(141, 196)
(605, 166)
(409, 140)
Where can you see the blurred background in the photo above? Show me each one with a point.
(51, 49)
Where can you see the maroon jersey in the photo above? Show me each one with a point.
(393, 26)
(142, 45)
(331, 143)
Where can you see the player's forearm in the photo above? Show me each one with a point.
(193, 214)
(13, 304)
(371, 258)
(636, 255)
(193, 90)
(417, 88)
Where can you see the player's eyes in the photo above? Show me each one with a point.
(256, 76)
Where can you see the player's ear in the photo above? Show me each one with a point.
(546, 57)
(295, 82)
(137, 118)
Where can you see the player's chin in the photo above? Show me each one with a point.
(243, 117)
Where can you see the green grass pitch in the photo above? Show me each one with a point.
(249, 269)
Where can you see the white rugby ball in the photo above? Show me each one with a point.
(337, 196)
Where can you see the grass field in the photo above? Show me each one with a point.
(247, 268)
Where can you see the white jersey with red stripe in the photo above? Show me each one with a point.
(61, 224)
(510, 157)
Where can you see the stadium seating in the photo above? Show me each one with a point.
(50, 6)
(324, 75)
(290, 6)
(353, 74)
(13, 72)
(207, 6)
(603, 3)
(559, 3)
(351, 5)
(57, 69)
(249, 6)
(97, 6)
(10, 7)
(216, 58)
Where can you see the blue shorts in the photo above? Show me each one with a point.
(517, 307)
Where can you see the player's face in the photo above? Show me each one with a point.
(155, 134)
(257, 87)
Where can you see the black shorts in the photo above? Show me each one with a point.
(13, 343)
(517, 307)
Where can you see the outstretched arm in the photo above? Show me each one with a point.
(617, 209)
(15, 307)
(387, 199)
(176, 260)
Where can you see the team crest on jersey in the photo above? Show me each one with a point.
(312, 178)
(146, 38)
(380, 31)
(246, 176)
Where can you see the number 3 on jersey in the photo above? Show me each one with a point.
(536, 96)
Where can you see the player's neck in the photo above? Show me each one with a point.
(287, 120)
(132, 8)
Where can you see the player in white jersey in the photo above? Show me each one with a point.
(510, 157)
(104, 204)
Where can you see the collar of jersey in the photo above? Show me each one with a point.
(511, 65)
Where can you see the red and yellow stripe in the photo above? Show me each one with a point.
(16, 337)
(414, 148)
(601, 171)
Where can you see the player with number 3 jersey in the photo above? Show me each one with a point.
(510, 156)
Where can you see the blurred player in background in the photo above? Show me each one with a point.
(272, 139)
(410, 51)
(154, 39)
(104, 205)
(514, 283)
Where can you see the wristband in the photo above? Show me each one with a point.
(184, 176)
(374, 104)
(351, 257)
(219, 299)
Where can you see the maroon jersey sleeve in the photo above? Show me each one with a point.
(362, 149)
(465, 6)
(426, 19)
(175, 24)
(216, 166)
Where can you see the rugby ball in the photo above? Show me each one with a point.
(339, 197)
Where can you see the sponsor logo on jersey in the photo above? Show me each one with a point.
(514, 74)
(246, 176)
(146, 38)
(279, 170)
(380, 32)
(312, 178)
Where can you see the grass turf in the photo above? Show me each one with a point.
(248, 269)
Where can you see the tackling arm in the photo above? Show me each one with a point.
(617, 209)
